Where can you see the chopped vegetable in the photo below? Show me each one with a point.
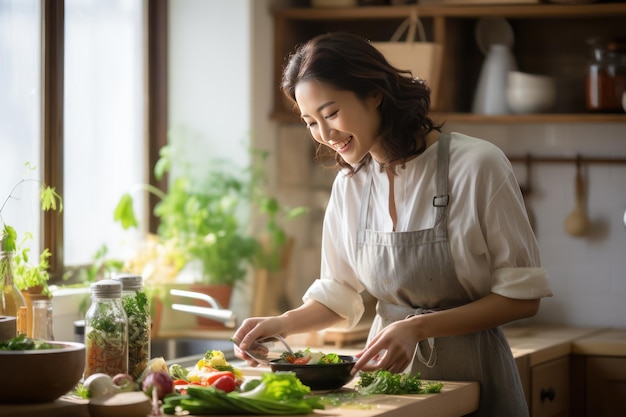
(386, 382)
(279, 393)
(250, 384)
(178, 372)
(225, 383)
(306, 357)
(22, 342)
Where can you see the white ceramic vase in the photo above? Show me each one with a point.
(490, 97)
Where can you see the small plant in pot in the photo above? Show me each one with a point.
(205, 232)
(31, 279)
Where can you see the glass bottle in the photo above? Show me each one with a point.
(42, 320)
(106, 330)
(606, 76)
(12, 301)
(137, 308)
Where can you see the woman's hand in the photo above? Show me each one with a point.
(310, 316)
(391, 349)
(253, 329)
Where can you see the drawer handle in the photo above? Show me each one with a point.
(547, 394)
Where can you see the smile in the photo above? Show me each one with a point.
(339, 147)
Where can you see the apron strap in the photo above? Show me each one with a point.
(441, 200)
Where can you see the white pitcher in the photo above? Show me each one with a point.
(490, 96)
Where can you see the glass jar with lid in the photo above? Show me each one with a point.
(137, 309)
(606, 75)
(106, 330)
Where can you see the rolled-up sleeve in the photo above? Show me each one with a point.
(343, 300)
(521, 283)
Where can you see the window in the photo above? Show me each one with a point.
(99, 66)
(103, 121)
(20, 112)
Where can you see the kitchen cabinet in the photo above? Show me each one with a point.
(599, 375)
(542, 355)
(550, 39)
(550, 388)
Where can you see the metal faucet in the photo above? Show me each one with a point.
(216, 312)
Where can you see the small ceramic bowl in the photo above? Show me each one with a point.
(530, 93)
(320, 377)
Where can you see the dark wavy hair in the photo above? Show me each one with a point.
(350, 63)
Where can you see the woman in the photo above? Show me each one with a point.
(433, 225)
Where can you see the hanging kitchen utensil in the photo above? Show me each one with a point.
(577, 223)
(527, 190)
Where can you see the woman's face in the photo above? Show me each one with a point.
(340, 120)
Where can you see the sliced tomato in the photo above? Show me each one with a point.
(215, 375)
(301, 361)
(224, 383)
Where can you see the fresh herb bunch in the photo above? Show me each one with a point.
(137, 310)
(386, 382)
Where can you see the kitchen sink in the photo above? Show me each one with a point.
(187, 351)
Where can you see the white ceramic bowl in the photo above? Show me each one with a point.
(530, 93)
(518, 79)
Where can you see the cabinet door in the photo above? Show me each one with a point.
(606, 386)
(550, 394)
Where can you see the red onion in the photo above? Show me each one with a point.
(162, 382)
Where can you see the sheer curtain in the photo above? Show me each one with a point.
(20, 115)
(104, 122)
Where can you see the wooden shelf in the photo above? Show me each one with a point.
(475, 11)
(549, 39)
(286, 117)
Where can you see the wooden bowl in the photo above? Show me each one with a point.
(40, 376)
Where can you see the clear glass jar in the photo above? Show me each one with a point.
(137, 308)
(106, 330)
(606, 76)
(12, 301)
(42, 320)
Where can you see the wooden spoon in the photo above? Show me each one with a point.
(577, 223)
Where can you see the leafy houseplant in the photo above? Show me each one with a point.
(29, 275)
(201, 219)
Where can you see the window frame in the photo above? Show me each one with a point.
(156, 115)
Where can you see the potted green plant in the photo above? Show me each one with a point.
(204, 222)
(28, 275)
(29, 278)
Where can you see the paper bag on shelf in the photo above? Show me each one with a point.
(421, 57)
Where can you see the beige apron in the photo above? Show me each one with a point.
(412, 273)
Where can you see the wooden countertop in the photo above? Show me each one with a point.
(455, 399)
(543, 343)
(609, 342)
